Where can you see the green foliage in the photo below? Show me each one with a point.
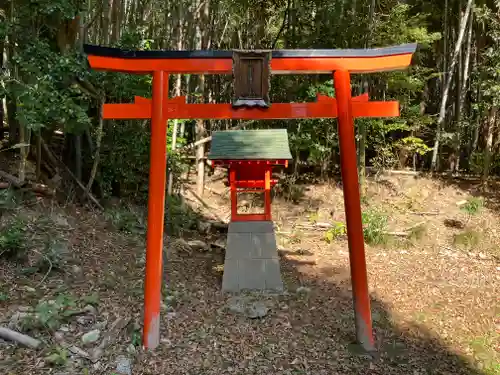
(178, 216)
(125, 219)
(57, 357)
(374, 227)
(485, 353)
(13, 241)
(413, 145)
(8, 199)
(50, 314)
(473, 205)
(289, 188)
(338, 230)
(46, 93)
(125, 158)
(467, 239)
(91, 299)
(400, 26)
(296, 237)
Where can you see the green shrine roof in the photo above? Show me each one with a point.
(268, 144)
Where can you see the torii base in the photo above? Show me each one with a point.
(251, 261)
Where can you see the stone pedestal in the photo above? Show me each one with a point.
(252, 261)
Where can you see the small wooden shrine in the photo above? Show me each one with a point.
(252, 260)
(250, 156)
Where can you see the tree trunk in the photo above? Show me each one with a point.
(444, 98)
(200, 125)
(465, 62)
(362, 124)
(106, 12)
(78, 156)
(115, 17)
(2, 101)
(24, 140)
(491, 121)
(177, 92)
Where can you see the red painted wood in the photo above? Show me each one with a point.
(352, 202)
(298, 65)
(321, 109)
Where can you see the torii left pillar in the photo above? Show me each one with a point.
(156, 207)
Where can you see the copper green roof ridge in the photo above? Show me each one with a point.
(268, 144)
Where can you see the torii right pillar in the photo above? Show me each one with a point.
(352, 203)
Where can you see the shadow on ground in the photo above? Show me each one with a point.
(490, 191)
(306, 332)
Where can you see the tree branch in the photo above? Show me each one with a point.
(285, 20)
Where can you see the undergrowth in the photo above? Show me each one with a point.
(12, 240)
(467, 239)
(375, 227)
(33, 243)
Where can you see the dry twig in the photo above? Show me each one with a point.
(20, 338)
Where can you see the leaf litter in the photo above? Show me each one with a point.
(431, 301)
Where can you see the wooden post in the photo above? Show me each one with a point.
(267, 193)
(234, 193)
(352, 203)
(156, 210)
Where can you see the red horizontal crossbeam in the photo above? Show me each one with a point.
(176, 108)
(250, 217)
(254, 183)
(297, 65)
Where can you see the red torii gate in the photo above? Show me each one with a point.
(160, 108)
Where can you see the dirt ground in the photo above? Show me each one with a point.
(434, 283)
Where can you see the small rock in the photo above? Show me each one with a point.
(97, 366)
(482, 256)
(84, 320)
(303, 290)
(91, 337)
(100, 325)
(123, 365)
(251, 309)
(198, 245)
(131, 349)
(29, 289)
(61, 221)
(236, 305)
(219, 243)
(59, 336)
(167, 342)
(256, 310)
(76, 270)
(89, 309)
(170, 299)
(204, 227)
(64, 328)
(79, 352)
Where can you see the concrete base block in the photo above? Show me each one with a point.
(252, 261)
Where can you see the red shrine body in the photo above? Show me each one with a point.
(250, 176)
